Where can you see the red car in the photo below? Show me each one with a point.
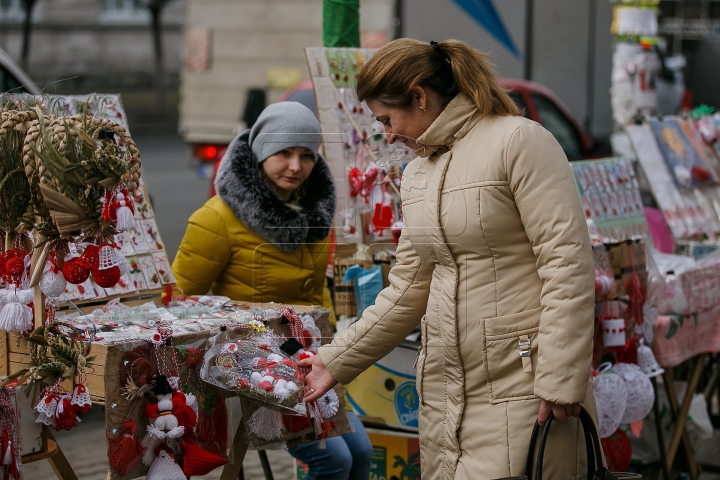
(537, 102)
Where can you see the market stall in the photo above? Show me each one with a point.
(676, 161)
(90, 315)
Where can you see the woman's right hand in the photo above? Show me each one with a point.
(319, 380)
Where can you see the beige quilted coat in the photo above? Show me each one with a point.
(494, 254)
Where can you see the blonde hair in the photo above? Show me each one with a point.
(392, 72)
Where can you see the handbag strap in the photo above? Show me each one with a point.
(592, 445)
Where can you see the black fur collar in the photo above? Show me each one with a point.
(240, 186)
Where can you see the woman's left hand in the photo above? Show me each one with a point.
(319, 380)
(561, 412)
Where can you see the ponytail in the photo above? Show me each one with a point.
(447, 68)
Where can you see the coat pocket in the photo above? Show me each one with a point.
(510, 352)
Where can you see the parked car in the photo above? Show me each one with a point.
(536, 101)
(12, 77)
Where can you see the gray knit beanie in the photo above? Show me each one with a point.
(282, 125)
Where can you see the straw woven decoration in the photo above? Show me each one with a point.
(17, 215)
(69, 163)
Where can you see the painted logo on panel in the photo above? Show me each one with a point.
(407, 404)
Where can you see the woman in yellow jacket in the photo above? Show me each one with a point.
(263, 238)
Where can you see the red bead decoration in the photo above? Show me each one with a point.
(194, 356)
(90, 258)
(106, 278)
(14, 267)
(74, 272)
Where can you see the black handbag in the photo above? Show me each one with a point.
(596, 470)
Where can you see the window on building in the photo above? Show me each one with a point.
(553, 119)
(123, 11)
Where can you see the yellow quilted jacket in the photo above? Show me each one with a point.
(286, 264)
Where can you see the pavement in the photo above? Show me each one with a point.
(85, 447)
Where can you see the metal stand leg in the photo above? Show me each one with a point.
(265, 465)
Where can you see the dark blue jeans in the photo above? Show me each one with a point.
(346, 457)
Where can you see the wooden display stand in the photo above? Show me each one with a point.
(17, 358)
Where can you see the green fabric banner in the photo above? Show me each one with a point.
(341, 23)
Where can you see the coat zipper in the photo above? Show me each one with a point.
(418, 357)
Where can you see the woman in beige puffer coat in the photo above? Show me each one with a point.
(494, 261)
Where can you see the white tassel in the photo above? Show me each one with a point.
(16, 316)
(318, 423)
(124, 216)
(266, 424)
(7, 458)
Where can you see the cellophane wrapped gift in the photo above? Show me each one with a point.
(247, 360)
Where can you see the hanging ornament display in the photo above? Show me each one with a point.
(85, 206)
(125, 451)
(611, 400)
(617, 450)
(107, 272)
(640, 393)
(362, 183)
(604, 283)
(164, 423)
(647, 362)
(613, 332)
(74, 272)
(13, 267)
(52, 282)
(16, 315)
(10, 448)
(164, 466)
(56, 354)
(124, 211)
